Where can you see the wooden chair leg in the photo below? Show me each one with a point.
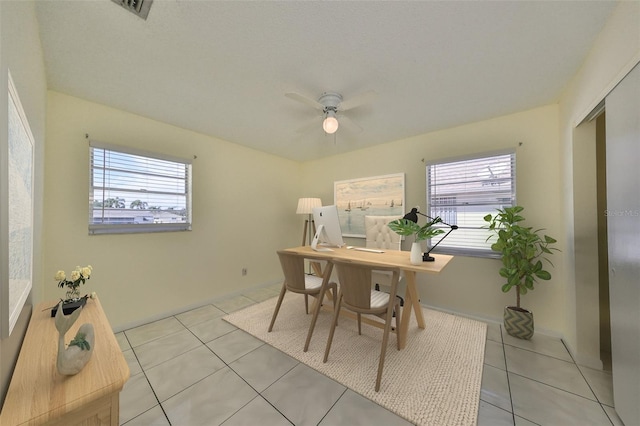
(316, 310)
(275, 313)
(334, 291)
(306, 303)
(383, 351)
(336, 313)
(359, 323)
(398, 324)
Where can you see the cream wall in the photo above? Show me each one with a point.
(472, 285)
(243, 211)
(140, 277)
(614, 53)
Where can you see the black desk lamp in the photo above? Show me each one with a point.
(413, 217)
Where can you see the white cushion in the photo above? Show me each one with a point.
(379, 299)
(312, 282)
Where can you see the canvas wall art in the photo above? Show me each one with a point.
(370, 196)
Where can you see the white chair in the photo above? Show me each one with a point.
(380, 236)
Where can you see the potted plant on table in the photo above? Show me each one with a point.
(522, 250)
(407, 227)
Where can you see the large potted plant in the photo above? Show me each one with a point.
(523, 251)
(407, 227)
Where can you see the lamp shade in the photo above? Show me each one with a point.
(306, 205)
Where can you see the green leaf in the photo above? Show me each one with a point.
(80, 342)
(543, 275)
(521, 247)
(404, 227)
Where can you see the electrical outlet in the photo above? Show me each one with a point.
(244, 271)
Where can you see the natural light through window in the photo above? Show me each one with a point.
(137, 192)
(463, 191)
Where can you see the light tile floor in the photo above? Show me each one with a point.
(196, 369)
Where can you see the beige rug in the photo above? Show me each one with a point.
(435, 380)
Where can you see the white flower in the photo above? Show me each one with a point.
(78, 276)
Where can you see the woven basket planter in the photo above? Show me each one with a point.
(518, 323)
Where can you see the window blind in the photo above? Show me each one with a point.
(462, 192)
(134, 192)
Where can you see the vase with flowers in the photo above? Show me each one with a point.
(73, 299)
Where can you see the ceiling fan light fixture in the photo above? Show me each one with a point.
(330, 123)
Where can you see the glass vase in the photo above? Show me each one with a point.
(73, 294)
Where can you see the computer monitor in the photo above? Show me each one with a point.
(328, 231)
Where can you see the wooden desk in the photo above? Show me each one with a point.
(38, 394)
(394, 258)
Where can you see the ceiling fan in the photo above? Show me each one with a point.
(332, 105)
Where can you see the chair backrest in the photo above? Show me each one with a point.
(355, 282)
(379, 235)
(293, 269)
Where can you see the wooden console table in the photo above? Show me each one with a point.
(39, 395)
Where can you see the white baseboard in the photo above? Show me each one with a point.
(581, 360)
(493, 320)
(190, 307)
(585, 361)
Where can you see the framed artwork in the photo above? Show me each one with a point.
(371, 196)
(20, 213)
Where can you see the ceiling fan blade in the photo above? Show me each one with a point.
(305, 100)
(361, 99)
(349, 124)
(316, 123)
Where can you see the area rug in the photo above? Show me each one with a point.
(434, 380)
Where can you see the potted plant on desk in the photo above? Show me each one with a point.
(523, 250)
(407, 227)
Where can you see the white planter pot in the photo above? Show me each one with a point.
(416, 254)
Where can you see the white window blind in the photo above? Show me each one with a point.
(462, 192)
(132, 191)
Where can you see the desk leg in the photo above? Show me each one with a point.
(317, 269)
(411, 303)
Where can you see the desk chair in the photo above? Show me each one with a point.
(297, 281)
(356, 295)
(380, 236)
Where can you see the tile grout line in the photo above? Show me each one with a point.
(228, 365)
(588, 384)
(506, 369)
(150, 386)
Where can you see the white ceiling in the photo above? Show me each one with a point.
(223, 68)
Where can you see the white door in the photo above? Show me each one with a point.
(623, 226)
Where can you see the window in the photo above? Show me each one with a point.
(462, 192)
(137, 192)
